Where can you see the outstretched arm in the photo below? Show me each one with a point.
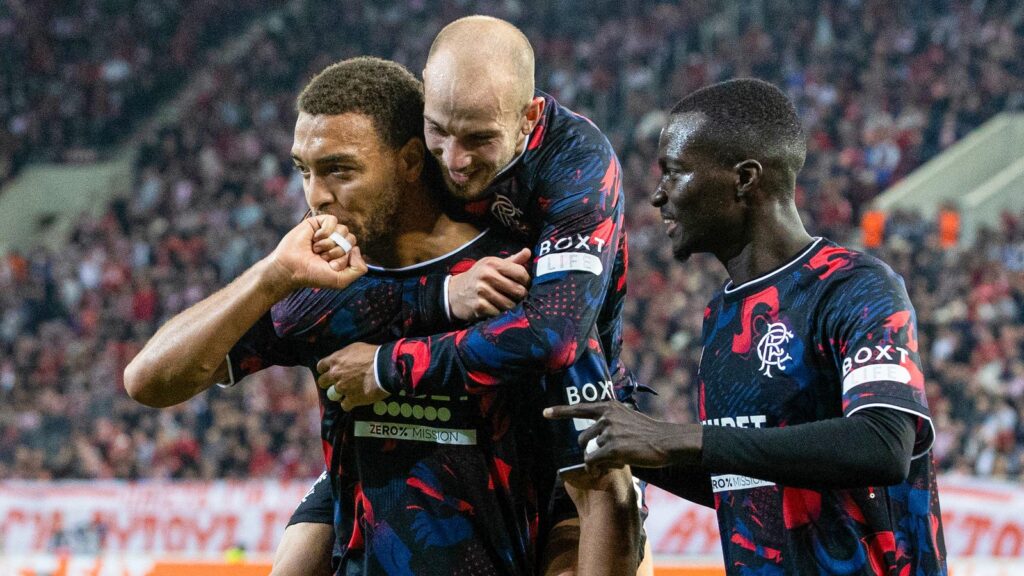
(187, 354)
(869, 448)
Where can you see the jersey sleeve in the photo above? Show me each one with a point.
(259, 348)
(872, 328)
(377, 308)
(580, 198)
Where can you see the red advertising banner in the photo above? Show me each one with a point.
(983, 519)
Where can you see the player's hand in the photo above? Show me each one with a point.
(348, 377)
(308, 256)
(626, 437)
(612, 484)
(492, 286)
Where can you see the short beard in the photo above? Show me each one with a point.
(378, 238)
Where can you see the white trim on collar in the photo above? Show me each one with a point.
(729, 288)
(432, 260)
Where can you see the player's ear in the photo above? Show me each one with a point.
(410, 160)
(534, 110)
(748, 177)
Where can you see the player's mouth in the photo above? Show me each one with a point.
(460, 177)
(670, 224)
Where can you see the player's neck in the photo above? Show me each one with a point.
(424, 232)
(774, 239)
(423, 243)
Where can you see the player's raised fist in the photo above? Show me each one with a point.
(492, 286)
(318, 252)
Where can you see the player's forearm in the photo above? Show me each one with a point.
(869, 448)
(184, 356)
(429, 311)
(515, 347)
(304, 550)
(609, 525)
(690, 482)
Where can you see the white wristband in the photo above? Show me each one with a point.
(447, 302)
(376, 374)
(341, 241)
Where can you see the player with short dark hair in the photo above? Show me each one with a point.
(352, 86)
(421, 484)
(517, 157)
(815, 432)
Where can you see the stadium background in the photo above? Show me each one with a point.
(144, 163)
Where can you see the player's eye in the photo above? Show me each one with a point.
(478, 139)
(302, 170)
(341, 171)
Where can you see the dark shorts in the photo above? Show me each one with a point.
(316, 506)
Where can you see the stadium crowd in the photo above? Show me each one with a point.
(215, 190)
(75, 75)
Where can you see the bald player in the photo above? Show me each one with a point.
(515, 157)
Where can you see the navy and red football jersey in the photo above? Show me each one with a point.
(563, 194)
(425, 484)
(830, 333)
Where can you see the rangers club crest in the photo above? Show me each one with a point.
(506, 212)
(771, 349)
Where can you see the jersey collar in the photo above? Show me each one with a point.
(426, 263)
(731, 291)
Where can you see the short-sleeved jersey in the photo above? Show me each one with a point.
(563, 195)
(429, 484)
(830, 333)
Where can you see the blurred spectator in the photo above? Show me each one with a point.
(75, 75)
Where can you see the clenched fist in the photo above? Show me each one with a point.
(307, 256)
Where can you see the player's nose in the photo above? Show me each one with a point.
(659, 198)
(456, 157)
(317, 193)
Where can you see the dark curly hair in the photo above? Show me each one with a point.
(383, 90)
(748, 118)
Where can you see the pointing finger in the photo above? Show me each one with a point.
(584, 410)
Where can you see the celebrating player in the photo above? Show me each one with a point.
(540, 170)
(423, 484)
(815, 435)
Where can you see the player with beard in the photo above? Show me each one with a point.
(815, 440)
(425, 484)
(517, 157)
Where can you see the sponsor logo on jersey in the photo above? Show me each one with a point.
(754, 421)
(730, 482)
(875, 364)
(866, 354)
(577, 252)
(569, 261)
(576, 243)
(414, 418)
(875, 373)
(589, 392)
(771, 348)
(414, 432)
